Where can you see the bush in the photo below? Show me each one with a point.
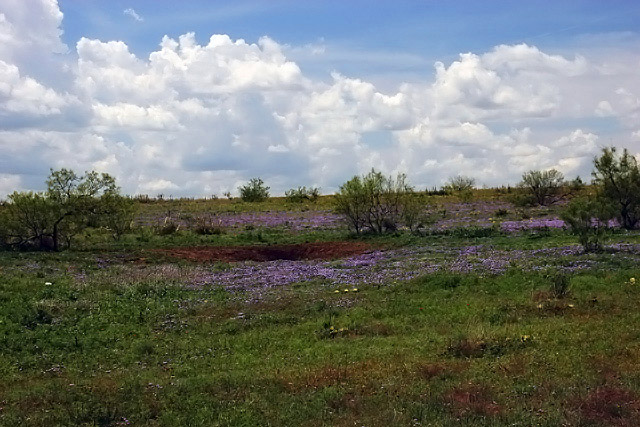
(254, 191)
(542, 186)
(618, 182)
(461, 186)
(204, 226)
(71, 203)
(588, 219)
(167, 227)
(375, 203)
(459, 183)
(560, 285)
(301, 194)
(116, 214)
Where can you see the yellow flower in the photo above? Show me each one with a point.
(540, 305)
(346, 290)
(570, 305)
(337, 291)
(525, 337)
(632, 280)
(354, 290)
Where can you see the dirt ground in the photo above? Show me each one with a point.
(317, 250)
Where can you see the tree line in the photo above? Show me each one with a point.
(372, 203)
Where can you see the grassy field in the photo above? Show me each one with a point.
(492, 317)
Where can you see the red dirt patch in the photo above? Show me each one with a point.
(317, 250)
(611, 406)
(472, 400)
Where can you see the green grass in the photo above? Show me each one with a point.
(437, 350)
(111, 344)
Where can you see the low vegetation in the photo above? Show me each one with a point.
(378, 204)
(378, 306)
(254, 191)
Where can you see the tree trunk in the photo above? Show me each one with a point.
(56, 244)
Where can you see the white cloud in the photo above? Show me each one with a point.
(25, 95)
(9, 183)
(132, 13)
(202, 118)
(604, 109)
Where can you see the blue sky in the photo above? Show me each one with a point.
(317, 92)
(427, 28)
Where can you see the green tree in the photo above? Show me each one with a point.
(377, 203)
(254, 191)
(618, 180)
(542, 186)
(301, 194)
(461, 186)
(588, 219)
(70, 204)
(26, 220)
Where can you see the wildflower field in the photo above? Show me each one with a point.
(219, 312)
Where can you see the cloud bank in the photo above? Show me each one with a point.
(198, 119)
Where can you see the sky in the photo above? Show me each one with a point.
(195, 98)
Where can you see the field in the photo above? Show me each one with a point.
(274, 314)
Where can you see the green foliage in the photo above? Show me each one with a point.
(560, 284)
(588, 219)
(378, 204)
(116, 213)
(460, 183)
(618, 181)
(26, 220)
(254, 191)
(301, 194)
(542, 186)
(461, 186)
(71, 203)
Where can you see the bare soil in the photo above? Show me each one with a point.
(262, 253)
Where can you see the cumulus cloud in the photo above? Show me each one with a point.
(24, 95)
(197, 119)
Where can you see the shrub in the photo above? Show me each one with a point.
(71, 203)
(167, 227)
(588, 218)
(204, 226)
(618, 182)
(254, 191)
(375, 203)
(461, 186)
(560, 284)
(542, 186)
(435, 192)
(460, 183)
(301, 194)
(116, 214)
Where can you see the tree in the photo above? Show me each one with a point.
(588, 218)
(300, 194)
(26, 220)
(70, 204)
(618, 180)
(542, 186)
(254, 191)
(378, 204)
(459, 183)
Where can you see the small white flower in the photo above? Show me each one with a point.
(48, 283)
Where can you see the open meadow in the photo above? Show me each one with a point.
(222, 312)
